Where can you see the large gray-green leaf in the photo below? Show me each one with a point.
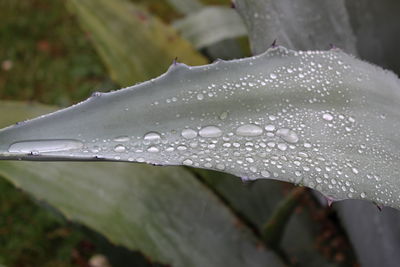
(163, 212)
(366, 225)
(376, 26)
(211, 25)
(323, 119)
(304, 24)
(259, 200)
(134, 45)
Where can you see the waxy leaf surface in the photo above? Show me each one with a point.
(323, 119)
(165, 212)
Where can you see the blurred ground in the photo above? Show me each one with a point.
(44, 55)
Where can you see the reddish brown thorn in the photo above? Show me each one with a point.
(175, 62)
(380, 207)
(329, 201)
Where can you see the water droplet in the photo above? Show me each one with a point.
(251, 160)
(327, 116)
(95, 149)
(282, 146)
(153, 149)
(208, 165)
(363, 195)
(271, 144)
(287, 135)
(223, 115)
(272, 117)
(273, 76)
(249, 130)
(200, 96)
(45, 146)
(253, 169)
(119, 148)
(152, 136)
(265, 174)
(187, 162)
(121, 139)
(189, 133)
(210, 131)
(270, 128)
(220, 166)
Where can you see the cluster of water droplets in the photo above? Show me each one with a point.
(268, 123)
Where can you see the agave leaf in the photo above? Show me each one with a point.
(148, 45)
(163, 212)
(259, 200)
(375, 25)
(323, 119)
(302, 25)
(367, 225)
(211, 25)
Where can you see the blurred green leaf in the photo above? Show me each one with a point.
(134, 45)
(257, 201)
(164, 212)
(365, 224)
(302, 25)
(186, 6)
(376, 26)
(200, 22)
(211, 25)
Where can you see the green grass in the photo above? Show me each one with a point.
(49, 58)
(31, 235)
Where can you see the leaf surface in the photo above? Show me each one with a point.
(302, 25)
(163, 212)
(323, 119)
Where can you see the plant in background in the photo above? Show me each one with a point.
(321, 119)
